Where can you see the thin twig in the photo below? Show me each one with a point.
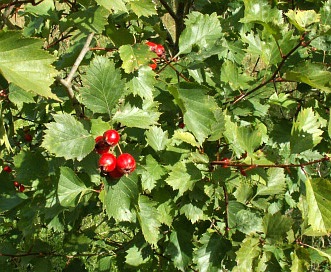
(252, 166)
(67, 83)
(170, 10)
(32, 2)
(279, 67)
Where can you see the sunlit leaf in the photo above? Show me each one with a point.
(69, 188)
(66, 137)
(319, 200)
(103, 86)
(24, 63)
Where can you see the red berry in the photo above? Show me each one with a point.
(154, 64)
(226, 162)
(116, 174)
(21, 188)
(101, 146)
(181, 125)
(107, 162)
(28, 137)
(152, 46)
(125, 163)
(7, 169)
(159, 50)
(16, 184)
(111, 137)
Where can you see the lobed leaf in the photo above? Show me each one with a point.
(103, 86)
(24, 63)
(69, 188)
(318, 194)
(120, 198)
(202, 30)
(147, 216)
(66, 137)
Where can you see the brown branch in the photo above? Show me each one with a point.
(273, 76)
(170, 10)
(58, 41)
(19, 3)
(168, 63)
(252, 166)
(67, 83)
(52, 254)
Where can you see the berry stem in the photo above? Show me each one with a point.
(119, 148)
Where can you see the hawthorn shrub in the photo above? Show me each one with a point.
(223, 106)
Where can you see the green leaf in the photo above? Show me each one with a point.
(143, 7)
(183, 177)
(192, 212)
(202, 30)
(18, 96)
(306, 132)
(92, 19)
(24, 63)
(243, 138)
(276, 225)
(313, 74)
(134, 56)
(198, 109)
(318, 194)
(248, 252)
(120, 198)
(186, 137)
(303, 19)
(143, 84)
(276, 183)
(30, 166)
(9, 202)
(157, 138)
(212, 251)
(69, 188)
(257, 11)
(147, 216)
(180, 247)
(66, 137)
(153, 172)
(113, 5)
(103, 86)
(136, 256)
(135, 117)
(248, 222)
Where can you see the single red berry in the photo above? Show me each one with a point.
(226, 162)
(111, 137)
(153, 65)
(21, 188)
(107, 162)
(125, 163)
(181, 125)
(7, 169)
(28, 137)
(16, 184)
(152, 46)
(101, 146)
(116, 174)
(159, 50)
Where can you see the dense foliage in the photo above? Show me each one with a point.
(224, 106)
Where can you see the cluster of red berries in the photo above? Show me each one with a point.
(109, 164)
(159, 50)
(18, 185)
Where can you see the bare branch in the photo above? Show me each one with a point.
(67, 83)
